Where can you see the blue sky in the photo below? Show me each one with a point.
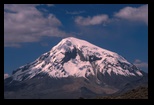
(33, 29)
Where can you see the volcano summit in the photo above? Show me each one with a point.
(74, 68)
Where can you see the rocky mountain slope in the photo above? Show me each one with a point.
(71, 69)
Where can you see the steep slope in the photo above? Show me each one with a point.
(72, 59)
(85, 59)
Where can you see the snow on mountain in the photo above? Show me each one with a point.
(78, 58)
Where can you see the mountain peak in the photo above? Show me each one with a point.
(74, 41)
(69, 38)
(79, 58)
(74, 63)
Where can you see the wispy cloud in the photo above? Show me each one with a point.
(6, 76)
(75, 12)
(50, 5)
(140, 64)
(25, 23)
(95, 20)
(134, 14)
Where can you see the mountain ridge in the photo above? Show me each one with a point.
(75, 64)
(75, 53)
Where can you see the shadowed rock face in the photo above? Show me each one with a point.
(72, 55)
(69, 55)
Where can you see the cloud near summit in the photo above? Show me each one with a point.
(134, 14)
(25, 23)
(141, 64)
(6, 76)
(95, 20)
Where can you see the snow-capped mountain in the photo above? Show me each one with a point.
(102, 71)
(79, 58)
